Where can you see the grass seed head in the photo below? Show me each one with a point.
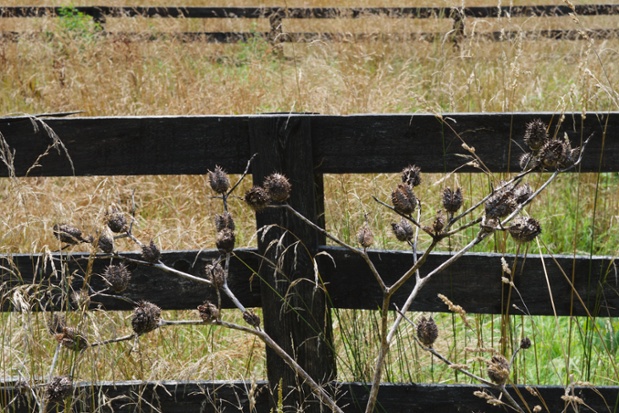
(403, 199)
(257, 198)
(59, 389)
(278, 187)
(150, 252)
(146, 318)
(427, 331)
(117, 276)
(524, 229)
(219, 180)
(452, 200)
(536, 135)
(411, 175)
(208, 312)
(403, 230)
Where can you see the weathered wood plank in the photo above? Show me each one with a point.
(341, 144)
(474, 282)
(147, 283)
(234, 396)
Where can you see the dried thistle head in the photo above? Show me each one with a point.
(500, 204)
(219, 180)
(365, 237)
(117, 277)
(452, 199)
(72, 339)
(251, 318)
(555, 154)
(225, 241)
(208, 312)
(522, 193)
(105, 241)
(525, 343)
(150, 252)
(257, 198)
(427, 331)
(403, 230)
(403, 199)
(224, 221)
(439, 223)
(146, 318)
(498, 369)
(529, 161)
(56, 324)
(68, 234)
(524, 229)
(59, 389)
(215, 273)
(535, 135)
(278, 187)
(116, 220)
(411, 175)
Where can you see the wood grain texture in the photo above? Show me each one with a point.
(233, 396)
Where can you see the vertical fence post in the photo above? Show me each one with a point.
(295, 310)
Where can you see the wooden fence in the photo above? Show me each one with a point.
(462, 17)
(305, 147)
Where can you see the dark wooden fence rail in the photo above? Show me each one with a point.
(276, 15)
(305, 147)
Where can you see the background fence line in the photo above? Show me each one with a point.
(316, 145)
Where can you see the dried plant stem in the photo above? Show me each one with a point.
(114, 340)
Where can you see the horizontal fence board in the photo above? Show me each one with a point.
(233, 396)
(474, 282)
(314, 12)
(342, 144)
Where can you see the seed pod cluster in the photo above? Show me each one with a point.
(403, 230)
(105, 241)
(546, 153)
(150, 252)
(59, 389)
(505, 200)
(403, 199)
(117, 277)
(69, 234)
(365, 237)
(116, 220)
(452, 200)
(251, 318)
(257, 198)
(427, 331)
(209, 312)
(498, 369)
(278, 187)
(146, 318)
(219, 180)
(411, 175)
(524, 229)
(215, 273)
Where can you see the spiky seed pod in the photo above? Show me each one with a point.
(411, 175)
(500, 204)
(216, 274)
(439, 223)
(525, 343)
(219, 180)
(116, 221)
(150, 252)
(56, 324)
(535, 135)
(68, 234)
(105, 242)
(365, 237)
(224, 221)
(427, 331)
(452, 200)
(403, 199)
(278, 187)
(528, 161)
(117, 276)
(72, 339)
(208, 312)
(225, 241)
(524, 229)
(251, 318)
(146, 318)
(522, 193)
(59, 389)
(403, 230)
(257, 198)
(498, 369)
(554, 154)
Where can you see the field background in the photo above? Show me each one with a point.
(77, 70)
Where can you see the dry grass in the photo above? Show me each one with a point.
(120, 77)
